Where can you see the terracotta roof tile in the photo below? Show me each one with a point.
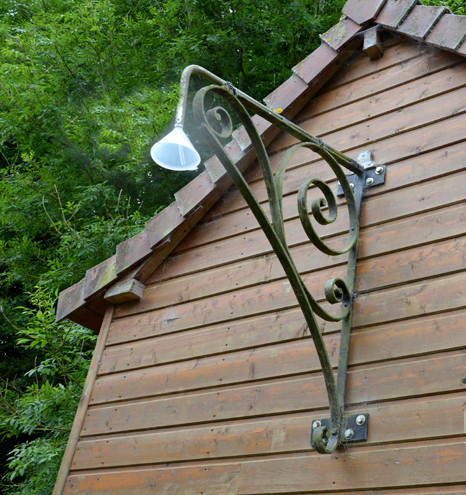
(132, 251)
(161, 225)
(462, 48)
(315, 63)
(341, 34)
(100, 276)
(395, 12)
(362, 11)
(193, 194)
(421, 21)
(449, 32)
(70, 299)
(287, 94)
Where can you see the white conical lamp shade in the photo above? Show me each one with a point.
(175, 151)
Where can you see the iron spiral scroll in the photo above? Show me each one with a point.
(216, 125)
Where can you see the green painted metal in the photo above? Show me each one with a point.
(216, 125)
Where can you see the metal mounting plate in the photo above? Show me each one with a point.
(354, 428)
(372, 177)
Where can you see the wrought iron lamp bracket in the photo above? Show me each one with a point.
(216, 124)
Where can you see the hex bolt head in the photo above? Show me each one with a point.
(369, 181)
(316, 424)
(349, 434)
(379, 170)
(361, 419)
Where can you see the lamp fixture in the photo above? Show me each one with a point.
(176, 152)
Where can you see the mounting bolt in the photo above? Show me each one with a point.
(316, 424)
(351, 186)
(349, 434)
(379, 170)
(369, 181)
(361, 419)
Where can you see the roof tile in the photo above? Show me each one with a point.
(214, 166)
(462, 48)
(362, 11)
(340, 34)
(395, 12)
(421, 21)
(315, 63)
(159, 227)
(70, 299)
(132, 251)
(264, 127)
(194, 193)
(449, 32)
(287, 94)
(100, 276)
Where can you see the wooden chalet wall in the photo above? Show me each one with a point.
(210, 383)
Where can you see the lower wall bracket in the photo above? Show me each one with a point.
(354, 428)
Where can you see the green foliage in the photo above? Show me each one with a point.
(456, 6)
(43, 410)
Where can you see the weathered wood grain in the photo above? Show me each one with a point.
(422, 197)
(396, 55)
(389, 422)
(406, 466)
(267, 268)
(413, 231)
(412, 377)
(443, 331)
(379, 344)
(402, 174)
(389, 124)
(83, 405)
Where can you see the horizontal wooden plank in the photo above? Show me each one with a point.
(277, 295)
(439, 333)
(375, 240)
(389, 422)
(376, 82)
(375, 210)
(369, 130)
(213, 480)
(420, 168)
(395, 55)
(275, 328)
(267, 268)
(410, 300)
(427, 87)
(406, 466)
(407, 146)
(416, 377)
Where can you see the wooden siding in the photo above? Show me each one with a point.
(210, 383)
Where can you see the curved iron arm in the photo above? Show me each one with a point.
(216, 125)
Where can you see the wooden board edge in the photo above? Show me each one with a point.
(83, 404)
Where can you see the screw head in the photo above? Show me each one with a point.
(316, 424)
(351, 186)
(379, 170)
(361, 419)
(349, 434)
(369, 181)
